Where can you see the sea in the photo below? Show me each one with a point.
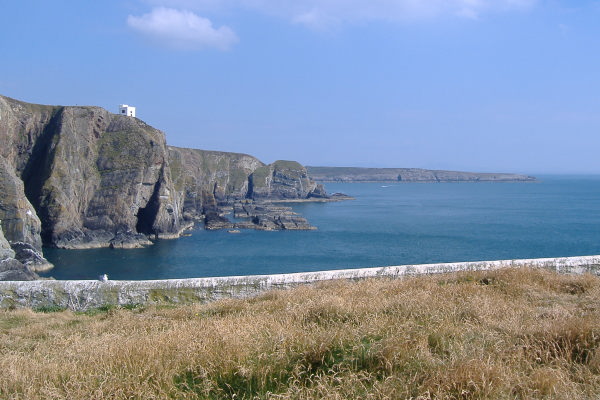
(386, 224)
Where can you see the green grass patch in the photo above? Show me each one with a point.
(49, 309)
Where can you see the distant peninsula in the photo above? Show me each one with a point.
(356, 174)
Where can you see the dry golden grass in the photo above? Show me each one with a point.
(507, 334)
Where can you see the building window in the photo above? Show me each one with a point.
(123, 111)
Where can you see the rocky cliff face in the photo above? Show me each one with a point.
(19, 219)
(210, 179)
(82, 177)
(5, 250)
(283, 180)
(10, 268)
(93, 178)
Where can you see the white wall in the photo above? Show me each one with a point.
(125, 109)
(82, 295)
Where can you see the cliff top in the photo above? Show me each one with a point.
(353, 174)
(211, 152)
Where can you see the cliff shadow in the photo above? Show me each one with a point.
(146, 216)
(37, 171)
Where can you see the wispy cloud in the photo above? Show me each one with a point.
(183, 30)
(320, 13)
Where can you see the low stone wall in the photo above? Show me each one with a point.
(82, 295)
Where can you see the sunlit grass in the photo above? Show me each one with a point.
(506, 334)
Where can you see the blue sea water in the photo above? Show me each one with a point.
(387, 224)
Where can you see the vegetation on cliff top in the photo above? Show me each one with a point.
(359, 174)
(260, 175)
(506, 334)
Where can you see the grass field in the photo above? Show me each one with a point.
(505, 334)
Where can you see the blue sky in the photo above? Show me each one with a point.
(481, 85)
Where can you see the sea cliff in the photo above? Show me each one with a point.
(78, 177)
(214, 183)
(82, 177)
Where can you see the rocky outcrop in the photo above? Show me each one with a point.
(212, 183)
(352, 174)
(268, 217)
(91, 177)
(10, 268)
(283, 180)
(209, 180)
(13, 270)
(31, 257)
(264, 216)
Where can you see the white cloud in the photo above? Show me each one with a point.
(182, 30)
(321, 13)
(315, 19)
(312, 12)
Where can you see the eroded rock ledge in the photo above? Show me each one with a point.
(82, 295)
(260, 215)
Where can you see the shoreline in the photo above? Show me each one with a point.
(87, 294)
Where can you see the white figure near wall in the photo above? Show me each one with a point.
(124, 109)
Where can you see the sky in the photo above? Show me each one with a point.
(475, 85)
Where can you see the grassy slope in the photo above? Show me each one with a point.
(508, 334)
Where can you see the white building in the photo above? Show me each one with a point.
(124, 109)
